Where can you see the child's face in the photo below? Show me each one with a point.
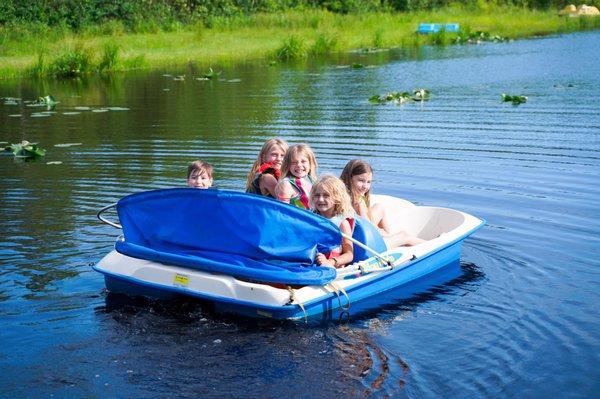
(322, 201)
(300, 166)
(275, 157)
(361, 184)
(199, 179)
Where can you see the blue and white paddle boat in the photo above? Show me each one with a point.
(255, 256)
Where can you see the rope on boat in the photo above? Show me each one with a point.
(337, 289)
(364, 267)
(294, 299)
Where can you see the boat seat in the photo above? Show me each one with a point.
(368, 234)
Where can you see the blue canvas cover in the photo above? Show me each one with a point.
(243, 235)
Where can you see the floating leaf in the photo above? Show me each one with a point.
(393, 97)
(420, 95)
(210, 74)
(25, 149)
(516, 100)
(67, 144)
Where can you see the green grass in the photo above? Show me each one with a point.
(38, 50)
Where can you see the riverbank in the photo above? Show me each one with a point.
(42, 51)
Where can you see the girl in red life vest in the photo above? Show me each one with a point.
(298, 173)
(266, 170)
(330, 199)
(357, 176)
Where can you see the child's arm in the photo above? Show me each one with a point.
(284, 191)
(268, 183)
(347, 255)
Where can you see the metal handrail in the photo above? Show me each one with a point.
(108, 222)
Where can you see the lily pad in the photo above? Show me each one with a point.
(420, 95)
(67, 144)
(210, 74)
(391, 97)
(25, 149)
(516, 100)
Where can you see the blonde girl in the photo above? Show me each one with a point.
(298, 171)
(330, 199)
(266, 170)
(357, 176)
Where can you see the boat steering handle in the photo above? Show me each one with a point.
(108, 222)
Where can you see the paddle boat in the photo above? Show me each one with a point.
(254, 256)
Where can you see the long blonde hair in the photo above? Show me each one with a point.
(299, 149)
(264, 151)
(337, 192)
(353, 168)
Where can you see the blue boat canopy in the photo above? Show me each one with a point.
(242, 235)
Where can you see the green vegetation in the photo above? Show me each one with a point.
(25, 149)
(516, 100)
(67, 41)
(397, 97)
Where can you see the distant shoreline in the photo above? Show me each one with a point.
(277, 37)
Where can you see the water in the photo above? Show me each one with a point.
(520, 321)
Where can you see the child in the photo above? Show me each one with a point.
(265, 172)
(298, 171)
(200, 174)
(357, 176)
(330, 199)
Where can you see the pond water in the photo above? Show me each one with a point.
(521, 320)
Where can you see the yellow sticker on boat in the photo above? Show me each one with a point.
(181, 279)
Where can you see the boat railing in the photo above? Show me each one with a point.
(103, 219)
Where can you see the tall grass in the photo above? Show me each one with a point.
(286, 35)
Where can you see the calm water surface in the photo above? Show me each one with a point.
(521, 319)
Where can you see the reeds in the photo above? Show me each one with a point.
(289, 35)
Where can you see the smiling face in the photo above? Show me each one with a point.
(361, 184)
(199, 179)
(275, 156)
(300, 165)
(322, 201)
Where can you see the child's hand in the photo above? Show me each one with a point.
(322, 260)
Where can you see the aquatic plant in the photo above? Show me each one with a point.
(395, 97)
(358, 65)
(293, 48)
(516, 100)
(477, 37)
(324, 44)
(71, 64)
(110, 58)
(420, 95)
(210, 74)
(25, 149)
